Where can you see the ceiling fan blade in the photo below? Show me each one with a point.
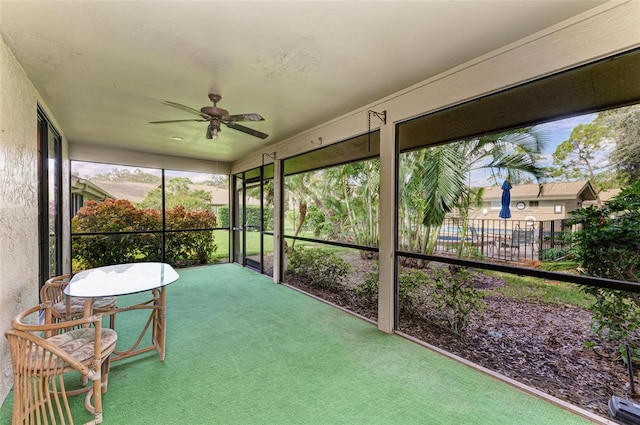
(246, 130)
(244, 117)
(187, 109)
(169, 121)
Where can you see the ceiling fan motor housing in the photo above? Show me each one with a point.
(214, 111)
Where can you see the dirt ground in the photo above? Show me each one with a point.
(535, 344)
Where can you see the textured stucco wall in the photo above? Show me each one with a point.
(18, 201)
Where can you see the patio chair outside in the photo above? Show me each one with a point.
(525, 238)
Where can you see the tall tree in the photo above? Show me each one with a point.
(625, 126)
(411, 200)
(444, 179)
(122, 174)
(585, 154)
(178, 193)
(362, 200)
(299, 189)
(218, 180)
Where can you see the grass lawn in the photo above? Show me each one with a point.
(253, 244)
(532, 289)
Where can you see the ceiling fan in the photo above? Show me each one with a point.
(216, 116)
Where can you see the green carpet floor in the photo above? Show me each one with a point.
(242, 350)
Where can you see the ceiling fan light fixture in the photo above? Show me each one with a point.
(216, 116)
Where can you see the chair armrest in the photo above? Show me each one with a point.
(17, 322)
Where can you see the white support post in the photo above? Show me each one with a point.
(386, 277)
(278, 199)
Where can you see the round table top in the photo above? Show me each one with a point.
(120, 279)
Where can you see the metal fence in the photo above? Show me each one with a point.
(504, 240)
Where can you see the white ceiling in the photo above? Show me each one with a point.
(105, 67)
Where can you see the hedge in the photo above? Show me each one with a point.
(181, 248)
(253, 216)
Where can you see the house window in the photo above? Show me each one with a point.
(557, 208)
(496, 205)
(534, 204)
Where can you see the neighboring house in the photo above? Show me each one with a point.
(134, 192)
(83, 190)
(137, 191)
(603, 197)
(553, 202)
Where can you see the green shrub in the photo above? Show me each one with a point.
(559, 265)
(253, 216)
(318, 267)
(553, 254)
(181, 248)
(368, 289)
(317, 222)
(115, 216)
(607, 245)
(409, 283)
(454, 297)
(189, 248)
(445, 295)
(562, 247)
(223, 216)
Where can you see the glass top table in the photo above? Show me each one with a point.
(120, 279)
(124, 279)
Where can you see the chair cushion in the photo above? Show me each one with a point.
(79, 343)
(77, 305)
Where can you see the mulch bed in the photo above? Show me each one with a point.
(536, 344)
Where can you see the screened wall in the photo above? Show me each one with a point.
(330, 222)
(516, 217)
(130, 214)
(507, 284)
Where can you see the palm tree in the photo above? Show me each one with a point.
(472, 197)
(436, 178)
(348, 195)
(300, 188)
(410, 200)
(353, 189)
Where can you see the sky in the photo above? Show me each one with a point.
(556, 131)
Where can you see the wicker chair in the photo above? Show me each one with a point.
(40, 362)
(69, 308)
